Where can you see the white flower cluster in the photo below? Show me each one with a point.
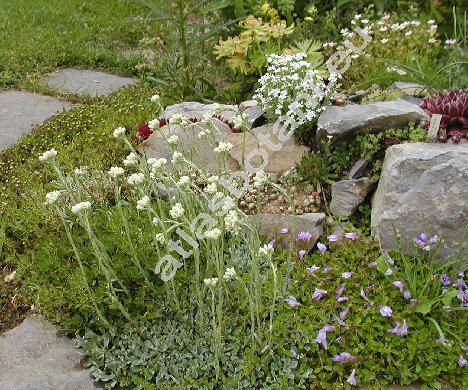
(155, 98)
(79, 171)
(131, 160)
(173, 140)
(144, 203)
(115, 172)
(231, 221)
(80, 207)
(241, 121)
(183, 181)
(156, 165)
(159, 237)
(48, 155)
(211, 188)
(213, 234)
(204, 134)
(260, 179)
(211, 282)
(266, 251)
(178, 119)
(394, 69)
(52, 197)
(229, 274)
(153, 124)
(288, 77)
(223, 147)
(176, 211)
(136, 179)
(177, 157)
(119, 132)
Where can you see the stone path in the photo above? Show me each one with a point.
(21, 111)
(86, 82)
(33, 356)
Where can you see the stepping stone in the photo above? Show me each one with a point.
(86, 82)
(21, 111)
(33, 356)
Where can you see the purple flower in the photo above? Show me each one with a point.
(352, 378)
(302, 253)
(444, 278)
(333, 237)
(441, 340)
(283, 230)
(312, 269)
(388, 272)
(322, 335)
(326, 269)
(321, 247)
(414, 302)
(348, 274)
(292, 301)
(462, 361)
(352, 235)
(399, 285)
(373, 264)
(342, 299)
(341, 322)
(424, 242)
(304, 236)
(272, 243)
(343, 357)
(340, 290)
(385, 311)
(318, 294)
(345, 312)
(399, 329)
(462, 295)
(407, 294)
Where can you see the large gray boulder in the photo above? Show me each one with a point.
(198, 110)
(338, 122)
(423, 187)
(254, 147)
(35, 356)
(229, 111)
(199, 151)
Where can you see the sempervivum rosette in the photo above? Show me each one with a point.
(453, 106)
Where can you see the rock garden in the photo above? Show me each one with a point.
(274, 197)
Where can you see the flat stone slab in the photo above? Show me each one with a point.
(33, 356)
(21, 111)
(86, 82)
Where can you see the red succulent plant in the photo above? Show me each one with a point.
(453, 106)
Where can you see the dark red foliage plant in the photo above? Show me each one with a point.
(453, 106)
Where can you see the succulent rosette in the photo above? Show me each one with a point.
(453, 106)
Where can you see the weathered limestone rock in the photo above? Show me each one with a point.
(198, 110)
(86, 82)
(410, 89)
(279, 159)
(358, 169)
(254, 112)
(34, 356)
(270, 224)
(423, 187)
(21, 111)
(347, 195)
(352, 119)
(194, 149)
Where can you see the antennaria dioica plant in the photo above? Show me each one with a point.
(179, 226)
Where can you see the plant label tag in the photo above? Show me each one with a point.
(434, 127)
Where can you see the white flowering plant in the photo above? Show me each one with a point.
(282, 89)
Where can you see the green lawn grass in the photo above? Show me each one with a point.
(40, 36)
